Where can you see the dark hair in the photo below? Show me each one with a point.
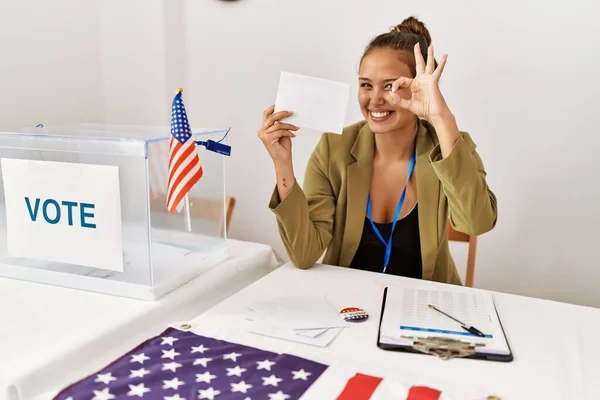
(403, 38)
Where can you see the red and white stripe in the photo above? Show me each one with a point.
(349, 380)
(184, 171)
(367, 387)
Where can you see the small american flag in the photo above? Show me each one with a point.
(184, 163)
(179, 364)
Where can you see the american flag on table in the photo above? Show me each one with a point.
(182, 365)
(184, 163)
(179, 364)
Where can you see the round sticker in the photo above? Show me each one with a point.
(353, 314)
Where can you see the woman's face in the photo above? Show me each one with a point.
(378, 70)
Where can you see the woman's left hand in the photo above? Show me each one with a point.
(426, 100)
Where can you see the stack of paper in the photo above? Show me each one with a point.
(310, 320)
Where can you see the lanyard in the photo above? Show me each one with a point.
(388, 244)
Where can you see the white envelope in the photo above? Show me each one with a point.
(299, 312)
(317, 103)
(321, 340)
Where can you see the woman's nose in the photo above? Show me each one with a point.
(378, 96)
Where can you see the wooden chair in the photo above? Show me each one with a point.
(205, 209)
(456, 236)
(213, 210)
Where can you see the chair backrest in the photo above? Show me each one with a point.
(213, 210)
(229, 206)
(207, 209)
(455, 236)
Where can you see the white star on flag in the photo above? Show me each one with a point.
(176, 397)
(202, 361)
(170, 354)
(168, 340)
(105, 378)
(266, 364)
(231, 356)
(139, 358)
(278, 396)
(209, 393)
(138, 373)
(237, 371)
(205, 377)
(103, 395)
(271, 380)
(137, 390)
(302, 374)
(172, 366)
(173, 384)
(241, 387)
(199, 349)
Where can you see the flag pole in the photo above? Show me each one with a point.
(188, 217)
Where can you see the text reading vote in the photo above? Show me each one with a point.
(53, 211)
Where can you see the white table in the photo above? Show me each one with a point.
(50, 335)
(555, 349)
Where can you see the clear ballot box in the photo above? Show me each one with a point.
(85, 206)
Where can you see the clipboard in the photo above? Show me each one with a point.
(437, 340)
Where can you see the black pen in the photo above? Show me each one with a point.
(471, 329)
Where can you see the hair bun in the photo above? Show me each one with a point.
(413, 25)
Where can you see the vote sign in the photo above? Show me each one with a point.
(63, 212)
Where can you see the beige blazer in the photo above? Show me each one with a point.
(328, 212)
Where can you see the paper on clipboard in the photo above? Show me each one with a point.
(410, 317)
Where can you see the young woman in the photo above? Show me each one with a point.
(379, 196)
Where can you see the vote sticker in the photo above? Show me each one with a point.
(353, 314)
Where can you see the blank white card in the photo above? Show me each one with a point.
(317, 103)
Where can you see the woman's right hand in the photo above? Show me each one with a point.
(277, 136)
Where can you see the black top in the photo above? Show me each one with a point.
(405, 258)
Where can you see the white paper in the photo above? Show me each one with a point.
(258, 318)
(407, 315)
(311, 333)
(38, 229)
(299, 313)
(303, 319)
(321, 340)
(317, 103)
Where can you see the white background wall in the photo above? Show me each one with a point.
(521, 78)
